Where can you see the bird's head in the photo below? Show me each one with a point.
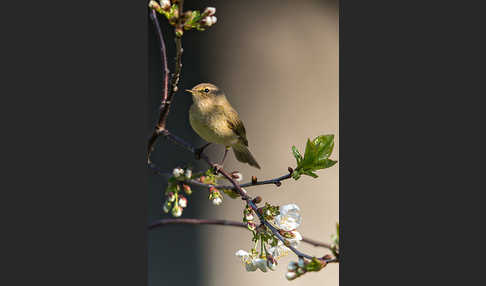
(204, 90)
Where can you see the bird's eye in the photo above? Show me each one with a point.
(206, 90)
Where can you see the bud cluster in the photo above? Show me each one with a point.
(297, 269)
(175, 202)
(189, 19)
(248, 218)
(294, 270)
(215, 196)
(254, 260)
(269, 212)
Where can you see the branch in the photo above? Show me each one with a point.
(275, 181)
(167, 94)
(223, 222)
(240, 191)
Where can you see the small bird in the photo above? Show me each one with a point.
(216, 121)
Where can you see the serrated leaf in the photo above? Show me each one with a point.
(324, 164)
(310, 153)
(324, 145)
(316, 156)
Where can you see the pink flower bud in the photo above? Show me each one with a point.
(251, 225)
(187, 189)
(171, 197)
(209, 11)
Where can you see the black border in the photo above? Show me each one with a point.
(76, 80)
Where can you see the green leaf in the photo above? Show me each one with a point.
(232, 194)
(313, 175)
(316, 156)
(326, 163)
(314, 265)
(324, 144)
(297, 155)
(296, 175)
(310, 153)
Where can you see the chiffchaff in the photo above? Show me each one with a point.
(215, 120)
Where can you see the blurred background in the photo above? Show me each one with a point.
(277, 61)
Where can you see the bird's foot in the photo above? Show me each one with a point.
(217, 167)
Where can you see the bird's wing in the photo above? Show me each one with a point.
(235, 124)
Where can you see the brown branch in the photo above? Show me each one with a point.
(238, 189)
(167, 94)
(223, 222)
(275, 181)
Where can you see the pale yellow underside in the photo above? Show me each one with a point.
(209, 120)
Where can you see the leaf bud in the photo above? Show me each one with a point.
(257, 200)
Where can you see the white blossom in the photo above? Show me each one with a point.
(165, 4)
(261, 263)
(209, 20)
(282, 250)
(289, 217)
(210, 11)
(291, 275)
(182, 202)
(301, 262)
(296, 239)
(167, 206)
(177, 172)
(247, 260)
(272, 264)
(217, 201)
(176, 211)
(292, 266)
(188, 173)
(279, 250)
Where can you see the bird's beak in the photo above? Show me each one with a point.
(190, 90)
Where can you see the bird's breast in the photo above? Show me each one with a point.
(211, 124)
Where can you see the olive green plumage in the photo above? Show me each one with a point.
(213, 118)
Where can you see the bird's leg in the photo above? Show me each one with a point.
(199, 151)
(226, 149)
(218, 167)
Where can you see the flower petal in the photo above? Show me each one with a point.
(242, 254)
(250, 266)
(289, 217)
(261, 263)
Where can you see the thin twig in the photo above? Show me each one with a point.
(223, 222)
(167, 93)
(274, 181)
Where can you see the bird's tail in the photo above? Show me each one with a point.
(243, 155)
